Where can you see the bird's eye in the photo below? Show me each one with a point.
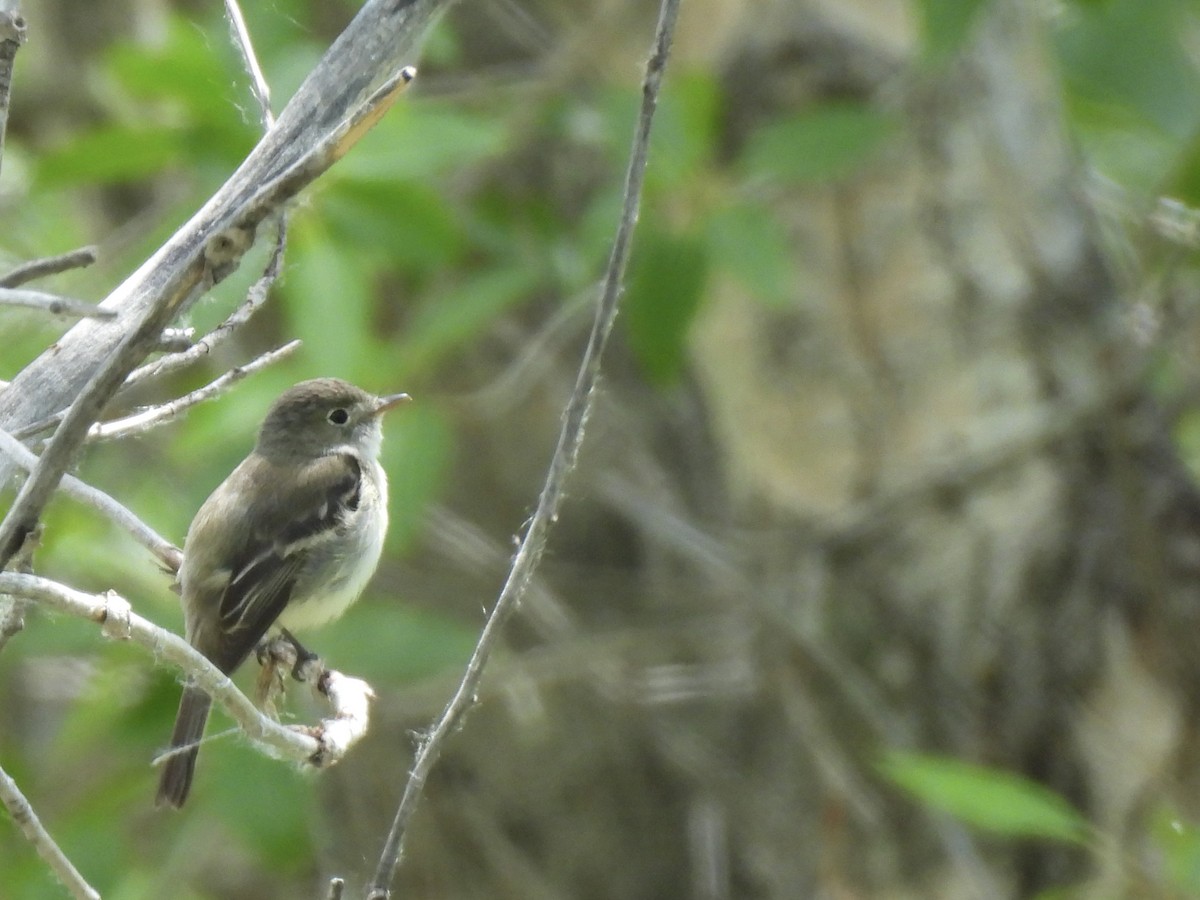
(339, 416)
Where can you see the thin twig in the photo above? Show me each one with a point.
(60, 452)
(561, 465)
(166, 412)
(220, 256)
(12, 609)
(164, 551)
(120, 621)
(50, 265)
(255, 298)
(53, 303)
(12, 36)
(336, 104)
(258, 83)
(29, 823)
(12, 618)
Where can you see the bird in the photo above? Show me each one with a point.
(289, 539)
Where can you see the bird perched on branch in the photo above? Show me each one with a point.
(290, 538)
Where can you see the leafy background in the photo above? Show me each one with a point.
(471, 224)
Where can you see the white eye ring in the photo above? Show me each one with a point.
(338, 416)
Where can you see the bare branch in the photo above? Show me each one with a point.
(164, 551)
(258, 83)
(53, 303)
(119, 621)
(12, 609)
(50, 265)
(12, 36)
(562, 463)
(255, 298)
(167, 412)
(231, 235)
(334, 106)
(31, 826)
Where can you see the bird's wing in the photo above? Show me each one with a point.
(266, 570)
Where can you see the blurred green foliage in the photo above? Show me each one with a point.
(1017, 808)
(996, 801)
(401, 259)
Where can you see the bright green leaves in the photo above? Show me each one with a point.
(752, 245)
(686, 130)
(111, 153)
(990, 799)
(665, 286)
(1127, 54)
(329, 304)
(1134, 92)
(171, 107)
(460, 315)
(417, 141)
(403, 224)
(1179, 843)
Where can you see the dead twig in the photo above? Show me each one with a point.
(163, 413)
(561, 465)
(50, 265)
(164, 551)
(53, 303)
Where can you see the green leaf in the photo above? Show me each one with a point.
(420, 140)
(1179, 842)
(685, 130)
(666, 283)
(407, 222)
(329, 303)
(1130, 149)
(184, 68)
(945, 25)
(752, 245)
(824, 144)
(451, 320)
(990, 799)
(418, 449)
(388, 642)
(112, 153)
(1132, 53)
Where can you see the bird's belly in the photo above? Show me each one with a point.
(344, 580)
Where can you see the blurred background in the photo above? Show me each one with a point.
(878, 574)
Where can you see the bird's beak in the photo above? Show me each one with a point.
(391, 401)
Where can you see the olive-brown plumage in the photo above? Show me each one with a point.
(291, 537)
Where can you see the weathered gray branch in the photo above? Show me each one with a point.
(54, 304)
(337, 102)
(118, 620)
(322, 121)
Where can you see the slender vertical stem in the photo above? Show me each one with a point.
(566, 453)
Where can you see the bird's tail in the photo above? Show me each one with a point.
(177, 773)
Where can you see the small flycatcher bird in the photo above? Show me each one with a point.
(291, 538)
